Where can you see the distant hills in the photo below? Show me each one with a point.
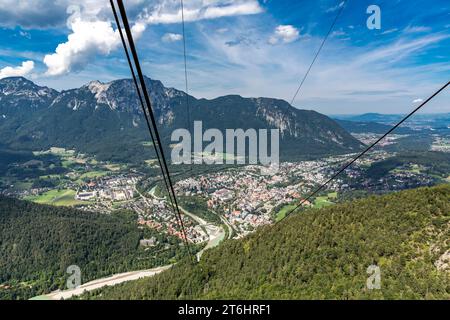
(372, 121)
(322, 254)
(105, 119)
(370, 117)
(372, 127)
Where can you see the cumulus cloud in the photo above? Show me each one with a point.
(89, 37)
(93, 33)
(171, 37)
(23, 70)
(285, 34)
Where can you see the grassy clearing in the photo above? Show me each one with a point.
(283, 211)
(52, 176)
(321, 202)
(67, 163)
(219, 155)
(93, 174)
(113, 167)
(415, 169)
(147, 143)
(332, 195)
(65, 197)
(151, 162)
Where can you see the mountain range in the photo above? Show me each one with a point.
(105, 119)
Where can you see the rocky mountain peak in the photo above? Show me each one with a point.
(20, 86)
(113, 107)
(17, 91)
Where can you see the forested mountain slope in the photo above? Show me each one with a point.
(38, 243)
(323, 254)
(105, 119)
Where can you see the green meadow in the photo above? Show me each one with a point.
(65, 197)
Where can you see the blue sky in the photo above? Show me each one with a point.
(248, 47)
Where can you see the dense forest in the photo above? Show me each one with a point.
(435, 162)
(199, 205)
(8, 157)
(38, 243)
(322, 254)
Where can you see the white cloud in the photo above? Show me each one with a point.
(166, 12)
(336, 7)
(338, 33)
(93, 33)
(417, 29)
(171, 37)
(43, 14)
(23, 70)
(285, 34)
(89, 37)
(371, 81)
(400, 49)
(390, 31)
(222, 30)
(24, 34)
(418, 100)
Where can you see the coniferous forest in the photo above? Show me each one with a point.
(39, 242)
(322, 254)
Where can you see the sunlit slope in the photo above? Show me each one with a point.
(323, 253)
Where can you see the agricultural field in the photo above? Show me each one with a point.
(93, 174)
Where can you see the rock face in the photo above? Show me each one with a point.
(18, 91)
(97, 114)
